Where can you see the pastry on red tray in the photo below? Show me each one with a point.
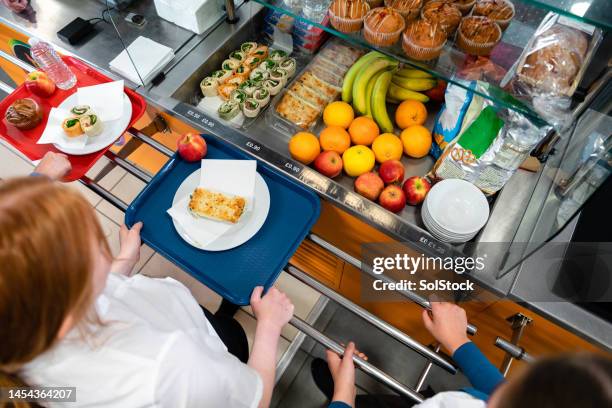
(409, 9)
(478, 35)
(24, 114)
(347, 15)
(382, 26)
(423, 40)
(442, 13)
(500, 11)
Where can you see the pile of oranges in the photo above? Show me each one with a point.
(359, 141)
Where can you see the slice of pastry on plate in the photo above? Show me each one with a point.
(217, 206)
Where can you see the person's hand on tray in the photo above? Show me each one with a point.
(129, 252)
(54, 165)
(272, 310)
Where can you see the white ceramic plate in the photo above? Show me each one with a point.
(249, 223)
(111, 132)
(458, 206)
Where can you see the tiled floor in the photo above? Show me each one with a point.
(126, 187)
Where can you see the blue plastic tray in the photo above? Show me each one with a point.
(233, 273)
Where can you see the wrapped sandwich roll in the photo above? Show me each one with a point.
(91, 124)
(273, 86)
(80, 110)
(209, 86)
(262, 95)
(279, 74)
(72, 127)
(251, 108)
(230, 64)
(278, 55)
(228, 110)
(289, 65)
(248, 47)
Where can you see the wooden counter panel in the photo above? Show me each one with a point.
(318, 263)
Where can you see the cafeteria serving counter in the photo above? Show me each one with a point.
(174, 97)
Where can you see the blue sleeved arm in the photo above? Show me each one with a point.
(339, 404)
(483, 375)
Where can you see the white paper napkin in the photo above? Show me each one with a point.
(54, 133)
(232, 177)
(150, 58)
(105, 99)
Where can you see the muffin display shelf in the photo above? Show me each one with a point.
(25, 140)
(454, 64)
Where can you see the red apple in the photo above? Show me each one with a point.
(40, 84)
(328, 163)
(416, 188)
(392, 198)
(192, 147)
(369, 185)
(392, 171)
(437, 93)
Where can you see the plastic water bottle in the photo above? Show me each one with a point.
(48, 60)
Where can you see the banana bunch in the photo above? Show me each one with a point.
(376, 79)
(366, 84)
(408, 83)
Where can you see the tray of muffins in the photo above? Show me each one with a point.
(424, 27)
(39, 117)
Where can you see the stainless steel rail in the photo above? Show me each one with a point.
(107, 195)
(425, 373)
(129, 167)
(471, 329)
(365, 366)
(17, 61)
(373, 320)
(513, 350)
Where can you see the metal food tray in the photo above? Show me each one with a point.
(235, 272)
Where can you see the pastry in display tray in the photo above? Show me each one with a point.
(478, 35)
(319, 84)
(347, 15)
(409, 9)
(500, 11)
(442, 13)
(383, 26)
(423, 40)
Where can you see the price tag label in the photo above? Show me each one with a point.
(253, 146)
(292, 168)
(431, 244)
(196, 116)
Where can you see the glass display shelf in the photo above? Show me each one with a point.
(596, 12)
(453, 65)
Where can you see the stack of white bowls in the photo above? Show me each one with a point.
(455, 210)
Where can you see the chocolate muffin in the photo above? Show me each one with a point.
(24, 114)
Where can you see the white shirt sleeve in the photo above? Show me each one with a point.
(190, 375)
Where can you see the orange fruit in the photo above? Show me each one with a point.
(363, 131)
(358, 160)
(416, 140)
(338, 114)
(387, 147)
(335, 138)
(410, 113)
(304, 147)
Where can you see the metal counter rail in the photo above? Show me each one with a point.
(365, 366)
(513, 350)
(370, 318)
(471, 329)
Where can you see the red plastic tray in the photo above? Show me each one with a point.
(25, 140)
